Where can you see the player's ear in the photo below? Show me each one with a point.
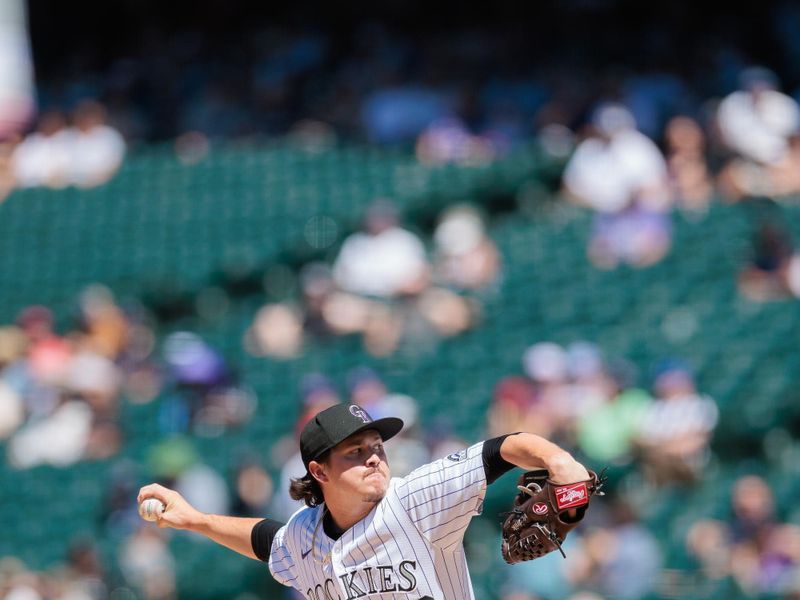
(317, 471)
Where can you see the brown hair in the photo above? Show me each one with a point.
(308, 489)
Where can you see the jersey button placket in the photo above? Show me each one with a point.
(334, 565)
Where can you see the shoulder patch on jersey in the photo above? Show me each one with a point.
(457, 456)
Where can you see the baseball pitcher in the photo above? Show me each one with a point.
(364, 534)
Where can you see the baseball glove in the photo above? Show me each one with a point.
(539, 521)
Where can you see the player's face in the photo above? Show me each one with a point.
(358, 466)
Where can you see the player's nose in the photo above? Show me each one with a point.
(374, 460)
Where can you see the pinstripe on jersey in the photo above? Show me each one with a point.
(408, 547)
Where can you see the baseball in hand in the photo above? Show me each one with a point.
(151, 508)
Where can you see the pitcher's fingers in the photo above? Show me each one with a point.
(153, 490)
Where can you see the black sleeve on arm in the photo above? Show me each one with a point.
(494, 465)
(261, 537)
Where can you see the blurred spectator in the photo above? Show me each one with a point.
(85, 575)
(62, 392)
(148, 565)
(588, 387)
(365, 387)
(446, 312)
(48, 354)
(44, 157)
(620, 559)
(676, 429)
(386, 293)
(176, 463)
(96, 380)
(616, 166)
(689, 172)
(621, 175)
(516, 406)
(12, 402)
(753, 515)
(607, 432)
(465, 256)
(97, 149)
(408, 447)
(547, 365)
(253, 490)
(323, 316)
(17, 582)
(276, 331)
(12, 410)
(104, 322)
(383, 260)
(709, 543)
(448, 140)
(772, 270)
(317, 392)
(760, 125)
(87, 154)
(547, 578)
(120, 511)
(7, 176)
(441, 438)
(207, 396)
(397, 114)
(766, 551)
(753, 546)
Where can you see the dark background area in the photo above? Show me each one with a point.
(675, 35)
(447, 40)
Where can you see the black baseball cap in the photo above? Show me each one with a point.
(337, 423)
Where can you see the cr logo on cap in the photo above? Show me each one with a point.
(359, 412)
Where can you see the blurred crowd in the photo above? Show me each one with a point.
(590, 403)
(379, 83)
(743, 546)
(748, 148)
(62, 393)
(385, 79)
(80, 149)
(386, 287)
(637, 145)
(633, 155)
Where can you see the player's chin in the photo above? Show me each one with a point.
(375, 490)
(373, 497)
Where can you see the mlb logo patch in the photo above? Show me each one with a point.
(457, 456)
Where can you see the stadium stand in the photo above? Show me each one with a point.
(178, 230)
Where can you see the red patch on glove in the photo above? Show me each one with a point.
(570, 496)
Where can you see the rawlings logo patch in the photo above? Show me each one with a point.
(569, 496)
(539, 508)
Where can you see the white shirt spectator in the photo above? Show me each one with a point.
(96, 156)
(204, 488)
(674, 417)
(381, 265)
(608, 175)
(759, 129)
(58, 440)
(43, 159)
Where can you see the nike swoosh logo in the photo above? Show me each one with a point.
(306, 553)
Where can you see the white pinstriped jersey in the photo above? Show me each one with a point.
(408, 547)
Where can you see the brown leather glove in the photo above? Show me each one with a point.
(540, 519)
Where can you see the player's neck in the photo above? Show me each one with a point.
(345, 515)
